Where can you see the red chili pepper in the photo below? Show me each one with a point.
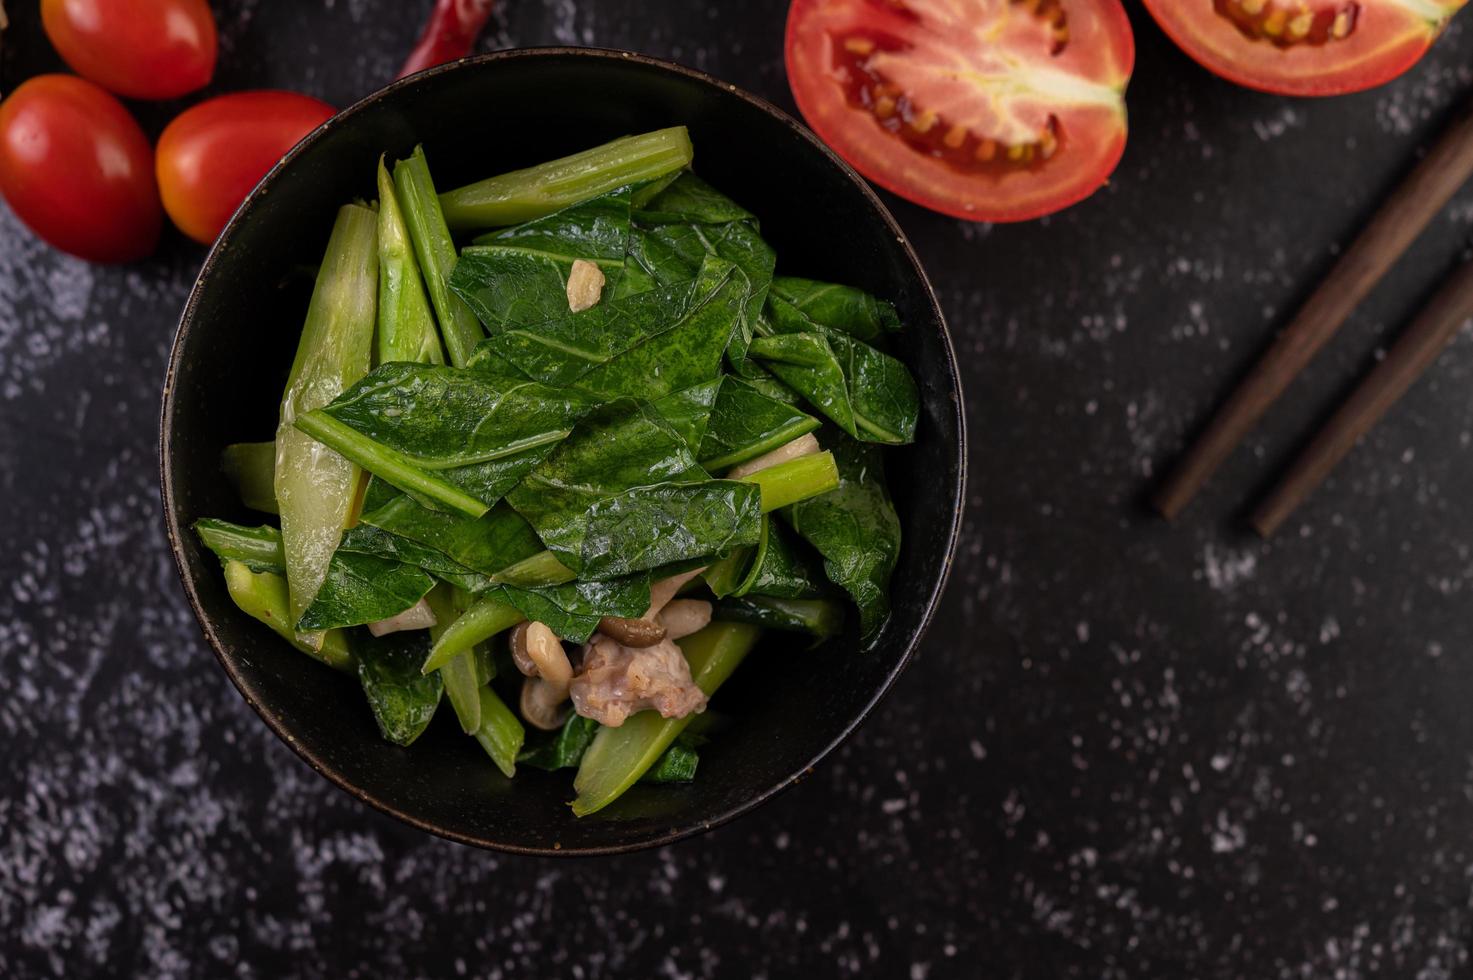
(450, 33)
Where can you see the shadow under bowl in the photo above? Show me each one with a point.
(484, 116)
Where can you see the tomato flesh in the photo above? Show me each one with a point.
(990, 110)
(213, 153)
(77, 169)
(1305, 47)
(141, 49)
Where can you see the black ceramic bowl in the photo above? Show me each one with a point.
(481, 117)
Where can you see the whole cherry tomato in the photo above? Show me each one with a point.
(76, 168)
(213, 153)
(143, 49)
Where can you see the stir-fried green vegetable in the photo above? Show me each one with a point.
(616, 347)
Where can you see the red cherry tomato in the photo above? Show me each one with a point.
(990, 110)
(75, 167)
(1305, 47)
(213, 153)
(142, 49)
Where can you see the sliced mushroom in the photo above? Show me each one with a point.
(804, 445)
(585, 285)
(682, 617)
(647, 630)
(539, 654)
(417, 617)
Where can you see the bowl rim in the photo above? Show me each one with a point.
(205, 621)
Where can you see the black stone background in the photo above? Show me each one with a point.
(1127, 750)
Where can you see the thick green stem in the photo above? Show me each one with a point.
(460, 673)
(314, 487)
(263, 596)
(483, 620)
(500, 734)
(522, 195)
(406, 328)
(435, 249)
(619, 756)
(251, 467)
(797, 479)
(539, 570)
(822, 618)
(393, 466)
(258, 546)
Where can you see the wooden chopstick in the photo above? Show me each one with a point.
(1435, 327)
(1397, 223)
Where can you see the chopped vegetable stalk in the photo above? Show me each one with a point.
(263, 596)
(392, 465)
(534, 572)
(415, 192)
(500, 734)
(619, 756)
(251, 467)
(479, 623)
(523, 195)
(406, 328)
(460, 674)
(314, 485)
(822, 618)
(259, 548)
(797, 479)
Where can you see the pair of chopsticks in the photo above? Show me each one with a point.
(1398, 223)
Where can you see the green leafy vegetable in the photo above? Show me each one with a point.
(677, 764)
(489, 544)
(690, 200)
(258, 548)
(856, 531)
(415, 192)
(403, 701)
(315, 487)
(745, 423)
(689, 410)
(251, 468)
(648, 527)
(362, 586)
(646, 345)
(406, 328)
(561, 749)
(520, 275)
(782, 568)
(572, 610)
(619, 756)
(797, 304)
(263, 596)
(454, 438)
(523, 195)
(821, 618)
(486, 617)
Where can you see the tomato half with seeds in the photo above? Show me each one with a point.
(1305, 47)
(989, 110)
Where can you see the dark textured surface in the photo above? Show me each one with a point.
(1126, 750)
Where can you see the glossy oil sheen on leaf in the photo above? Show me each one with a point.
(745, 423)
(363, 586)
(648, 527)
(855, 529)
(784, 569)
(689, 410)
(690, 200)
(572, 610)
(802, 302)
(519, 275)
(480, 434)
(487, 544)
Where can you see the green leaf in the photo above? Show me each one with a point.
(446, 434)
(618, 446)
(403, 700)
(855, 529)
(258, 548)
(745, 423)
(690, 200)
(804, 302)
(572, 610)
(488, 544)
(820, 618)
(806, 363)
(783, 569)
(561, 749)
(689, 410)
(677, 764)
(646, 345)
(647, 527)
(362, 586)
(520, 275)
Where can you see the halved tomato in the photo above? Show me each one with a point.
(990, 110)
(1305, 47)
